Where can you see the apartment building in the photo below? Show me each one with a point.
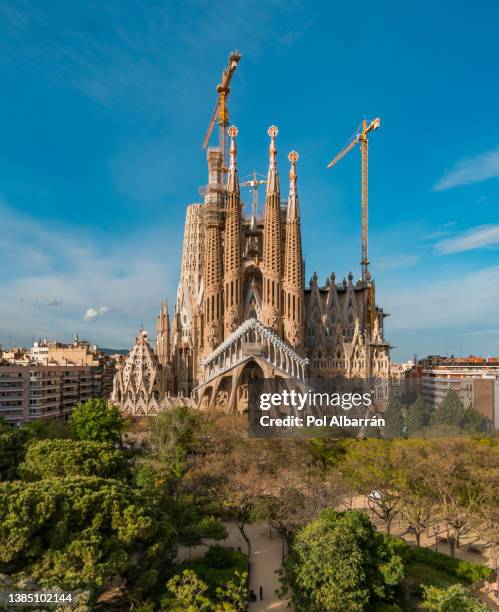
(43, 392)
(474, 379)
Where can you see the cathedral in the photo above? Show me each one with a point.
(242, 309)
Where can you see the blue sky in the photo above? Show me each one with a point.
(104, 107)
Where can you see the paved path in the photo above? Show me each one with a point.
(266, 558)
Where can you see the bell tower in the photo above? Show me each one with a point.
(272, 247)
(213, 273)
(232, 246)
(293, 265)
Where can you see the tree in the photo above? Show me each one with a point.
(189, 593)
(417, 499)
(172, 438)
(232, 478)
(45, 429)
(54, 458)
(486, 471)
(14, 442)
(339, 562)
(371, 466)
(12, 450)
(450, 411)
(326, 452)
(233, 597)
(98, 421)
(416, 417)
(242, 490)
(455, 484)
(474, 422)
(394, 419)
(192, 523)
(82, 532)
(285, 510)
(455, 598)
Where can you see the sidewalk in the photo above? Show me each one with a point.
(266, 556)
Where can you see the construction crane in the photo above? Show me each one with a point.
(221, 110)
(362, 139)
(253, 184)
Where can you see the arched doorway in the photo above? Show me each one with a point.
(250, 372)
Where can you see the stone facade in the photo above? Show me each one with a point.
(242, 307)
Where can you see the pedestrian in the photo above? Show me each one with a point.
(261, 593)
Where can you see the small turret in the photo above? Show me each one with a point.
(163, 335)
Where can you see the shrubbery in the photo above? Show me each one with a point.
(217, 581)
(462, 570)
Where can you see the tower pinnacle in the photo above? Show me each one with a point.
(293, 198)
(273, 177)
(232, 180)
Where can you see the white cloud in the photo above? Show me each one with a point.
(51, 273)
(92, 314)
(463, 304)
(396, 262)
(471, 170)
(475, 238)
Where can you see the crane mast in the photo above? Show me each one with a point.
(364, 150)
(221, 111)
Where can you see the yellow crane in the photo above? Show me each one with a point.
(221, 110)
(362, 139)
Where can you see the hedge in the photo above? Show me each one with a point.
(463, 570)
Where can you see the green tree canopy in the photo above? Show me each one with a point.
(81, 532)
(455, 598)
(372, 467)
(450, 411)
(338, 562)
(188, 594)
(58, 458)
(394, 418)
(416, 417)
(172, 438)
(14, 442)
(98, 421)
(43, 429)
(474, 422)
(12, 450)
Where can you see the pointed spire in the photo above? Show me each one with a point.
(293, 209)
(273, 177)
(232, 179)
